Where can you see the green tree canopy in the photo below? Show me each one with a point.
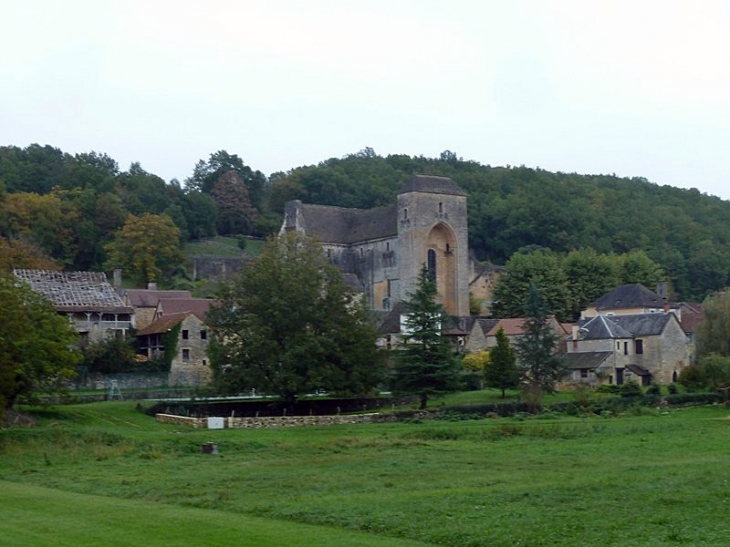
(425, 363)
(36, 345)
(713, 333)
(288, 325)
(147, 247)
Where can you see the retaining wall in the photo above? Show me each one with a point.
(269, 421)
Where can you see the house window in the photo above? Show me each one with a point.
(203, 334)
(205, 362)
(185, 334)
(584, 373)
(405, 214)
(618, 345)
(626, 348)
(186, 355)
(639, 347)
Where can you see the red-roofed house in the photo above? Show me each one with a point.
(182, 339)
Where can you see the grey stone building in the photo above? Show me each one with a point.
(386, 247)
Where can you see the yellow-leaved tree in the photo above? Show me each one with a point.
(147, 247)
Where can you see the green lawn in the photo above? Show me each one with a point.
(222, 247)
(649, 480)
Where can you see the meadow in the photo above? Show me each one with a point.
(104, 473)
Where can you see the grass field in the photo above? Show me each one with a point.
(105, 470)
(222, 247)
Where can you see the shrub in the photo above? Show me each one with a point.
(631, 389)
(609, 388)
(654, 389)
(672, 388)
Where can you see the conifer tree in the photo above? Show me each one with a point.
(425, 364)
(501, 372)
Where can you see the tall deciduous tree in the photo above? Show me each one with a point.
(541, 268)
(235, 213)
(147, 247)
(713, 333)
(36, 344)
(425, 363)
(536, 349)
(207, 173)
(501, 371)
(288, 325)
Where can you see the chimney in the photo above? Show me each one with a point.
(117, 279)
(151, 286)
(575, 332)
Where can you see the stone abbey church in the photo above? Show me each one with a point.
(385, 248)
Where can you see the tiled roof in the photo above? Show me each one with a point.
(624, 326)
(588, 359)
(75, 291)
(198, 306)
(429, 184)
(163, 324)
(146, 298)
(629, 296)
(486, 324)
(511, 326)
(346, 226)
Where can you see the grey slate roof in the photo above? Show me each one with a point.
(430, 184)
(629, 296)
(346, 226)
(75, 291)
(588, 360)
(624, 326)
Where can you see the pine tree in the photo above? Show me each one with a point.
(425, 363)
(501, 372)
(536, 349)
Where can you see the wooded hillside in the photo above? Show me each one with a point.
(55, 206)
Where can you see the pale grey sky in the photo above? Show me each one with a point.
(635, 88)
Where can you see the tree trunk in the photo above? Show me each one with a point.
(424, 401)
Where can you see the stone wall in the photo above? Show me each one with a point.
(271, 421)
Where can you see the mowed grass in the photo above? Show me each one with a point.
(221, 246)
(655, 479)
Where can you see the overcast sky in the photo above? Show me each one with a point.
(635, 88)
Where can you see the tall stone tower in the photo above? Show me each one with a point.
(432, 231)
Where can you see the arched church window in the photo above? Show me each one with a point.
(441, 208)
(431, 265)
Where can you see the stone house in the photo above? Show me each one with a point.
(188, 335)
(86, 299)
(613, 349)
(145, 301)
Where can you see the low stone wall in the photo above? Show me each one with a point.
(181, 420)
(269, 421)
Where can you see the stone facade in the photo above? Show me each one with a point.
(643, 347)
(386, 247)
(190, 366)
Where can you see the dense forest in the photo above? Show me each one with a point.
(70, 210)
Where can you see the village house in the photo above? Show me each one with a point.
(631, 333)
(614, 349)
(86, 298)
(145, 302)
(179, 335)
